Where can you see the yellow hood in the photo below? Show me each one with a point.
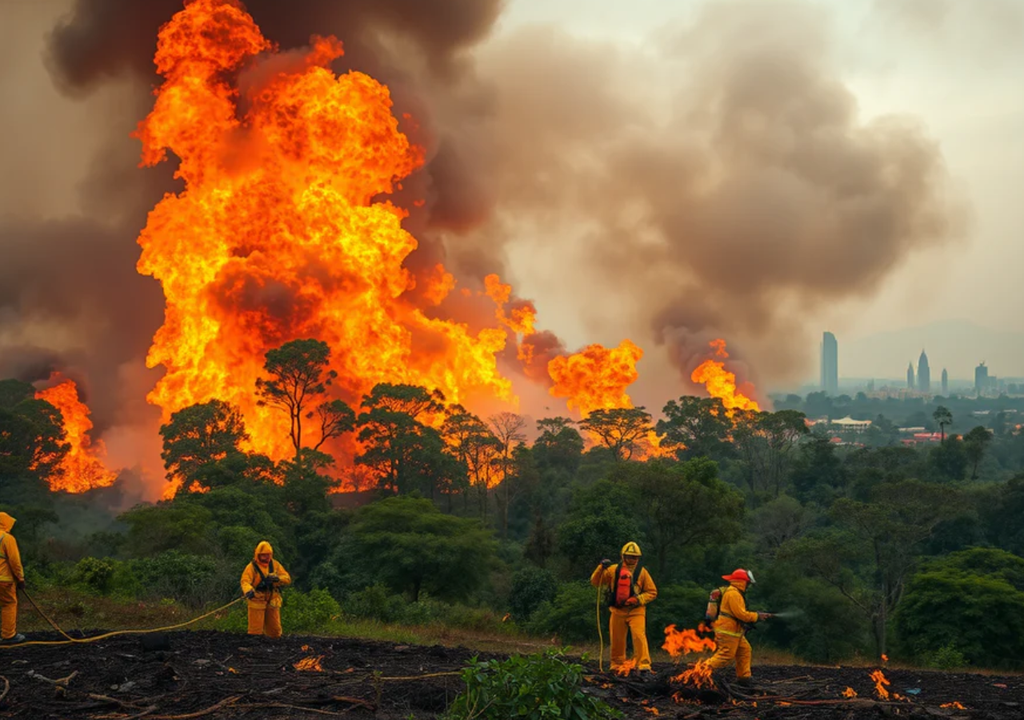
(6, 522)
(263, 547)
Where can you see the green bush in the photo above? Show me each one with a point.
(94, 575)
(572, 615)
(308, 612)
(376, 602)
(530, 587)
(536, 686)
(191, 579)
(945, 658)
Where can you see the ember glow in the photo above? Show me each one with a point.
(699, 676)
(283, 232)
(955, 705)
(721, 383)
(684, 642)
(310, 664)
(626, 668)
(83, 467)
(881, 684)
(849, 693)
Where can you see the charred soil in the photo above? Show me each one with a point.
(187, 675)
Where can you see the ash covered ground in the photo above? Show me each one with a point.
(219, 675)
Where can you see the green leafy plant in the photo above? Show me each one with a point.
(532, 687)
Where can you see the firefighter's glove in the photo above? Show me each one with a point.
(21, 584)
(605, 563)
(763, 616)
(632, 601)
(250, 595)
(271, 579)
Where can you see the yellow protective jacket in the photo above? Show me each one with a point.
(255, 572)
(10, 557)
(643, 587)
(732, 611)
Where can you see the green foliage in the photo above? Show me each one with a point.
(200, 435)
(532, 687)
(699, 425)
(531, 586)
(572, 615)
(183, 577)
(308, 612)
(411, 546)
(945, 658)
(621, 430)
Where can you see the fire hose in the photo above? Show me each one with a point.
(70, 640)
(600, 634)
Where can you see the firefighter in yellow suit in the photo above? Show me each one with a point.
(730, 627)
(262, 581)
(631, 589)
(12, 577)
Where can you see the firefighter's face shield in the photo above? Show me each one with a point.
(630, 560)
(263, 558)
(750, 578)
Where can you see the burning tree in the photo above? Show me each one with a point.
(621, 430)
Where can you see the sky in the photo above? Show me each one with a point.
(958, 69)
(952, 68)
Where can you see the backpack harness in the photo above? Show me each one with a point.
(623, 587)
(264, 585)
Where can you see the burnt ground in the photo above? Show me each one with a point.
(219, 675)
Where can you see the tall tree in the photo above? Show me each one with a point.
(31, 434)
(473, 444)
(200, 435)
(942, 417)
(699, 425)
(621, 430)
(507, 428)
(560, 445)
(766, 442)
(299, 375)
(975, 444)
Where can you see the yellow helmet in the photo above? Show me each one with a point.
(631, 548)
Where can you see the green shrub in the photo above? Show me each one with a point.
(94, 575)
(945, 658)
(572, 615)
(536, 686)
(308, 612)
(191, 579)
(530, 587)
(376, 603)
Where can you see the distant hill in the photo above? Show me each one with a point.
(957, 345)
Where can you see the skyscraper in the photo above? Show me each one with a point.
(945, 383)
(829, 364)
(980, 378)
(924, 374)
(910, 376)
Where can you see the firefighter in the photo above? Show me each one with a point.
(262, 581)
(731, 626)
(630, 589)
(12, 579)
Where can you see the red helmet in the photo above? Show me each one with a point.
(740, 574)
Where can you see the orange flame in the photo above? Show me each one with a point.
(849, 693)
(280, 232)
(310, 664)
(721, 383)
(700, 676)
(626, 668)
(82, 468)
(955, 705)
(684, 642)
(596, 377)
(880, 684)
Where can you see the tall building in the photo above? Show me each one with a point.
(924, 374)
(910, 376)
(945, 383)
(980, 378)
(829, 364)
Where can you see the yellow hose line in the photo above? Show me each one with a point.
(70, 640)
(600, 634)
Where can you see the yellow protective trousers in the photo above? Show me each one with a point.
(8, 610)
(731, 648)
(636, 620)
(265, 621)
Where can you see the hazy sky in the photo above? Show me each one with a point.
(955, 65)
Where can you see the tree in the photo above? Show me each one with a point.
(765, 441)
(619, 429)
(475, 447)
(975, 444)
(681, 506)
(971, 603)
(560, 445)
(818, 473)
(948, 461)
(299, 374)
(411, 546)
(507, 429)
(31, 434)
(700, 425)
(942, 417)
(200, 435)
(402, 450)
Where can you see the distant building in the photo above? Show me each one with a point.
(980, 378)
(924, 374)
(910, 376)
(829, 364)
(945, 383)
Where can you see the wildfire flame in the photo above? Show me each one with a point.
(82, 468)
(955, 705)
(721, 383)
(880, 684)
(310, 664)
(626, 668)
(700, 676)
(283, 232)
(849, 693)
(684, 642)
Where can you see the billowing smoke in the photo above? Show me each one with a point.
(720, 181)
